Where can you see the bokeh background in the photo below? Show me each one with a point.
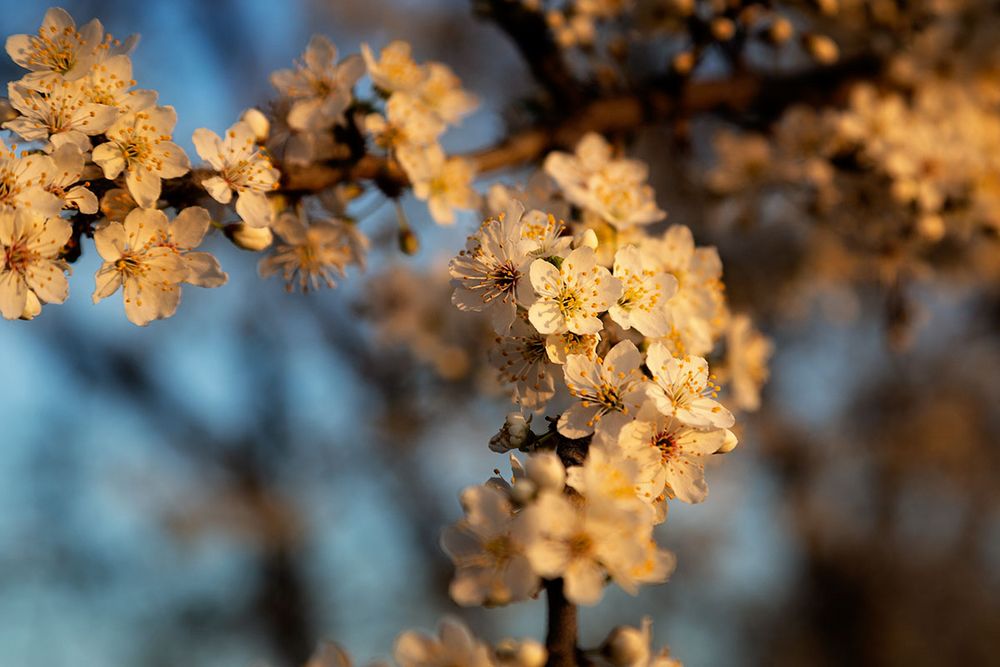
(265, 470)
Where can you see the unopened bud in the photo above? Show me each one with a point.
(523, 653)
(249, 238)
(523, 491)
(626, 647)
(258, 122)
(823, 49)
(588, 240)
(513, 434)
(32, 307)
(546, 471)
(408, 241)
(729, 444)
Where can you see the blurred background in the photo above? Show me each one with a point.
(265, 470)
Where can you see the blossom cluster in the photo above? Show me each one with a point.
(78, 108)
(100, 161)
(454, 644)
(613, 323)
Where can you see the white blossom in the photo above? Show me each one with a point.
(31, 271)
(319, 88)
(610, 391)
(571, 297)
(139, 144)
(682, 388)
(242, 168)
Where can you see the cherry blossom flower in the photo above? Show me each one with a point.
(454, 645)
(608, 477)
(559, 346)
(407, 122)
(110, 83)
(139, 144)
(522, 360)
(394, 70)
(441, 91)
(672, 452)
(747, 354)
(242, 168)
(583, 544)
(62, 114)
(445, 183)
(610, 391)
(59, 49)
(138, 258)
(22, 183)
(682, 388)
(485, 546)
(571, 297)
(490, 274)
(31, 272)
(319, 87)
(63, 181)
(185, 234)
(646, 289)
(311, 252)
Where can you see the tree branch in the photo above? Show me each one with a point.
(758, 100)
(560, 638)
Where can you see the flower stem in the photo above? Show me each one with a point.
(560, 640)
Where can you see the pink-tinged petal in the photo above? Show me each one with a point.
(189, 227)
(209, 148)
(143, 185)
(109, 157)
(13, 294)
(204, 270)
(111, 241)
(254, 209)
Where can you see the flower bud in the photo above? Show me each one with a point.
(32, 306)
(258, 122)
(523, 491)
(546, 471)
(249, 238)
(513, 434)
(523, 653)
(729, 444)
(626, 647)
(587, 239)
(409, 244)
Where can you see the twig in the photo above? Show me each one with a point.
(560, 638)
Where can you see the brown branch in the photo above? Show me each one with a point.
(560, 638)
(754, 98)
